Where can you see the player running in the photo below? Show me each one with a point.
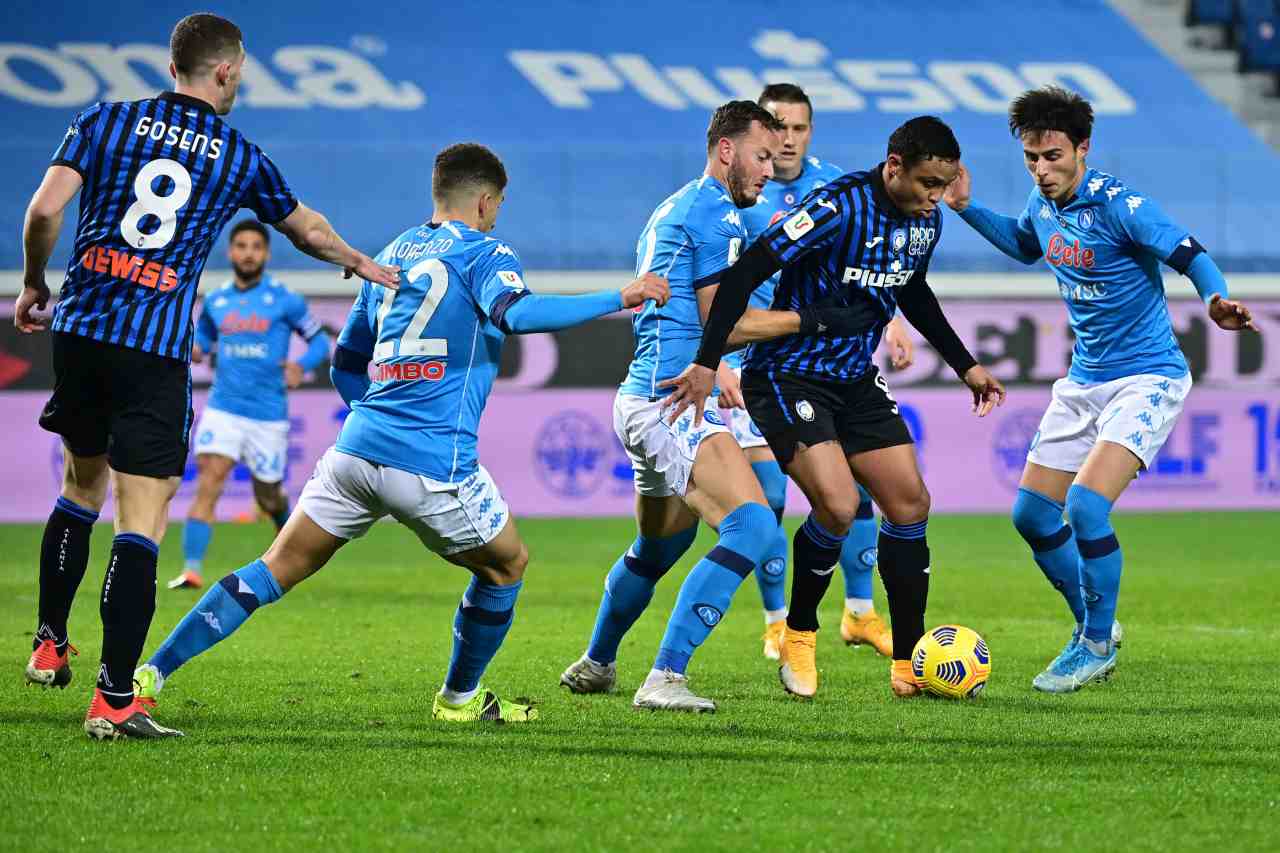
(795, 175)
(408, 448)
(824, 408)
(687, 470)
(249, 319)
(1128, 379)
(157, 180)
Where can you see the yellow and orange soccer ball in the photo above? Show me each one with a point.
(952, 661)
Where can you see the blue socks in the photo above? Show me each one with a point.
(1100, 560)
(221, 610)
(1039, 519)
(858, 554)
(629, 588)
(484, 617)
(706, 592)
(771, 574)
(195, 542)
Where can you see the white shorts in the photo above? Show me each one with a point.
(661, 454)
(1136, 412)
(347, 494)
(263, 446)
(744, 430)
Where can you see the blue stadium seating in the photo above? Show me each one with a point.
(1211, 12)
(1257, 35)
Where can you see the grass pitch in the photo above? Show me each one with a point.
(310, 728)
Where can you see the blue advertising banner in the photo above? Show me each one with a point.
(600, 109)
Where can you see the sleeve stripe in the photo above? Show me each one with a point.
(1183, 254)
(708, 280)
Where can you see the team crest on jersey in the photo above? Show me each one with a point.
(798, 225)
(1085, 220)
(789, 198)
(898, 240)
(805, 410)
(511, 279)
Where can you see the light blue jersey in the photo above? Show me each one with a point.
(1105, 246)
(435, 345)
(779, 197)
(251, 329)
(690, 240)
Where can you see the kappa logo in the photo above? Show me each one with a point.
(211, 620)
(798, 225)
(1134, 202)
(733, 218)
(1112, 192)
(709, 615)
(1045, 213)
(503, 249)
(805, 410)
(1096, 184)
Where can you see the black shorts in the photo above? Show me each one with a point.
(794, 412)
(132, 405)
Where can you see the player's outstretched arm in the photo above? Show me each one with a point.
(1004, 232)
(1209, 282)
(525, 313)
(920, 306)
(694, 385)
(311, 233)
(39, 234)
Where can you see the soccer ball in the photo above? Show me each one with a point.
(952, 661)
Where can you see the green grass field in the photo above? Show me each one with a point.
(310, 728)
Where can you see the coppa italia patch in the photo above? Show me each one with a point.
(511, 279)
(798, 225)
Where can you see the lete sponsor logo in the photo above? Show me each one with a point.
(297, 76)
(574, 79)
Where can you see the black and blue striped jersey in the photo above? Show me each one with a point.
(848, 240)
(161, 178)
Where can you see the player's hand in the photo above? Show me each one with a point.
(987, 390)
(902, 352)
(730, 388)
(1230, 315)
(197, 354)
(293, 374)
(33, 295)
(371, 271)
(958, 192)
(692, 388)
(646, 287)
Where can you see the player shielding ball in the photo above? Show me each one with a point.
(865, 239)
(408, 448)
(249, 320)
(690, 469)
(796, 173)
(157, 180)
(1128, 381)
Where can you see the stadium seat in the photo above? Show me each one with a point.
(1211, 12)
(1257, 35)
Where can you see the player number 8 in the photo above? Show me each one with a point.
(165, 207)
